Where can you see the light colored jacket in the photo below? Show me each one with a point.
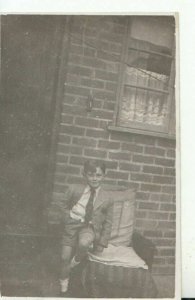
(102, 212)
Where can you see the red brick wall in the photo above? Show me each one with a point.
(144, 162)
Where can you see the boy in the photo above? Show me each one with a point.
(88, 219)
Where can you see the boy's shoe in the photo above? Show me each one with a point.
(64, 285)
(74, 263)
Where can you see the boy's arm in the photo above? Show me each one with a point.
(107, 227)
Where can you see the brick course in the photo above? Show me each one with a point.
(147, 163)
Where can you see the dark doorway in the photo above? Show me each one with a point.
(30, 63)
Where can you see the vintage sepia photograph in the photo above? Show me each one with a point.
(88, 165)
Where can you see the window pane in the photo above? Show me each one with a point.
(127, 112)
(156, 109)
(143, 78)
(149, 57)
(143, 107)
(158, 81)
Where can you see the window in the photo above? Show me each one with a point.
(147, 77)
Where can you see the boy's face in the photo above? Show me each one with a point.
(94, 178)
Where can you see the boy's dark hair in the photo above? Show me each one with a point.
(91, 165)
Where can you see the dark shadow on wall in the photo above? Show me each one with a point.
(30, 55)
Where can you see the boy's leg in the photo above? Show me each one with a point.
(65, 267)
(86, 238)
(69, 241)
(66, 258)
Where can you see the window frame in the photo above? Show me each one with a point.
(168, 130)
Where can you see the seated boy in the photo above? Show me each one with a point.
(88, 219)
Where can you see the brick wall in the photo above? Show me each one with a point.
(144, 162)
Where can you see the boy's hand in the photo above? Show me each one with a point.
(98, 249)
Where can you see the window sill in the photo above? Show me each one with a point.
(142, 132)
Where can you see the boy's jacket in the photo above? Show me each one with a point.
(102, 211)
